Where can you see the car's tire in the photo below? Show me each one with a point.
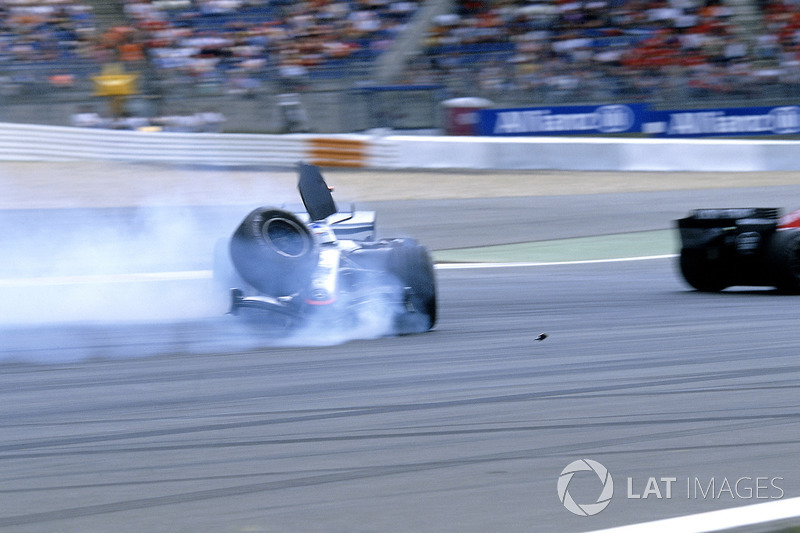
(702, 272)
(411, 264)
(274, 251)
(224, 274)
(784, 261)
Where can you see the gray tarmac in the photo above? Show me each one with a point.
(138, 407)
(200, 423)
(466, 428)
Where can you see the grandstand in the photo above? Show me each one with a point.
(238, 56)
(637, 50)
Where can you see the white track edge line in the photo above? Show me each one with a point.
(107, 278)
(456, 266)
(725, 519)
(187, 275)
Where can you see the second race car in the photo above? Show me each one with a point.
(721, 248)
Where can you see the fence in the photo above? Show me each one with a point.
(329, 110)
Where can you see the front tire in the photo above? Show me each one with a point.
(411, 263)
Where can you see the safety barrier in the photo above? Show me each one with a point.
(337, 152)
(596, 153)
(22, 142)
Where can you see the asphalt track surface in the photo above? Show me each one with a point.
(198, 423)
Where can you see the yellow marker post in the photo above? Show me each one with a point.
(116, 84)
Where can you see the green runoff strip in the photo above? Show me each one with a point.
(624, 245)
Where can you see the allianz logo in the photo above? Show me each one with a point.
(779, 120)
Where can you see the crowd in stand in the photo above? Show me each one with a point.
(237, 44)
(243, 43)
(45, 31)
(55, 32)
(608, 48)
(645, 49)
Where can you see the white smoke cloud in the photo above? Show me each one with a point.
(94, 290)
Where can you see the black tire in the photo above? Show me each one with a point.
(784, 261)
(225, 275)
(412, 265)
(274, 251)
(702, 272)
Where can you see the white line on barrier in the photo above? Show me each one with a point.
(187, 275)
(749, 515)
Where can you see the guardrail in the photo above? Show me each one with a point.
(21, 142)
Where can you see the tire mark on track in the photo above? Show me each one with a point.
(390, 409)
(347, 475)
(764, 419)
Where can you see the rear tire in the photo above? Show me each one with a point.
(411, 263)
(273, 251)
(225, 275)
(784, 261)
(702, 272)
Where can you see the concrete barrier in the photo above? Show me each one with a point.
(596, 153)
(23, 142)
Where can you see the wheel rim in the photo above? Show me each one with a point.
(286, 237)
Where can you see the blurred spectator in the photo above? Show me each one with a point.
(293, 115)
(542, 50)
(47, 30)
(619, 48)
(87, 117)
(238, 44)
(205, 121)
(46, 47)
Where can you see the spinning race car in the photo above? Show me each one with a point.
(721, 248)
(325, 268)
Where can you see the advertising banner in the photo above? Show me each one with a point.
(727, 122)
(562, 120)
(639, 119)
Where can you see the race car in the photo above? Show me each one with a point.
(721, 248)
(323, 267)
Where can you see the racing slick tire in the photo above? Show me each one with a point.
(702, 272)
(784, 261)
(274, 251)
(224, 274)
(411, 263)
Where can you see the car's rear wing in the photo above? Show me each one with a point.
(704, 228)
(712, 218)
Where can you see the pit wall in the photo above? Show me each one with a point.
(21, 142)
